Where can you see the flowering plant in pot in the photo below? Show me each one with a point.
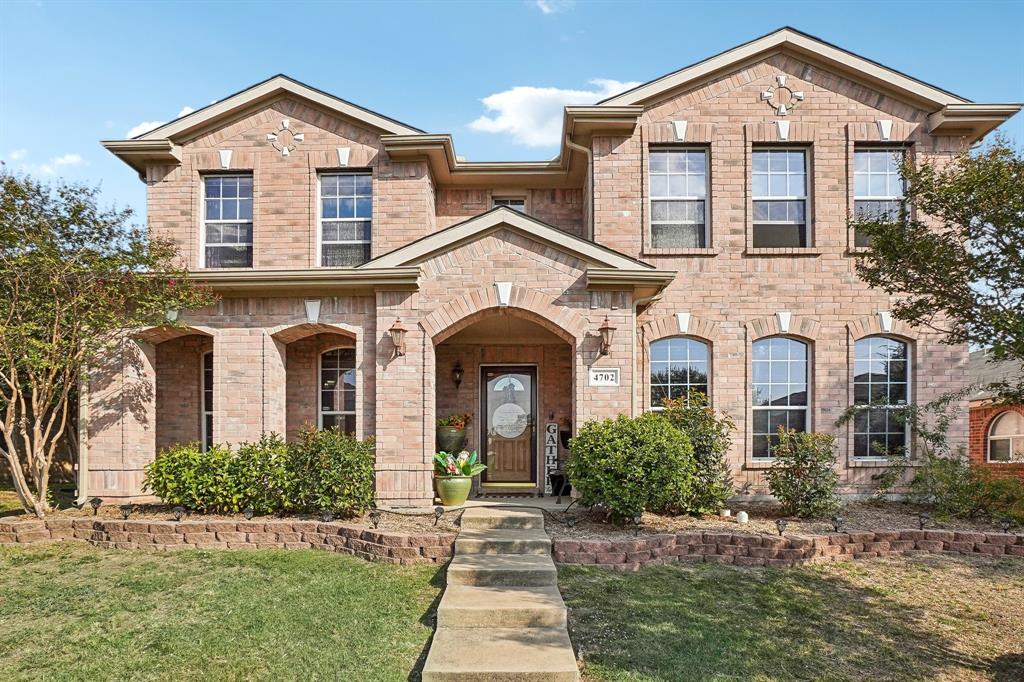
(451, 432)
(453, 474)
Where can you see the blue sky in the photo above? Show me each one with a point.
(490, 73)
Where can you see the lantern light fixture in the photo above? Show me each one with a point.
(126, 511)
(922, 520)
(95, 504)
(781, 524)
(837, 522)
(1005, 524)
(397, 332)
(375, 517)
(248, 513)
(178, 513)
(438, 513)
(457, 374)
(607, 331)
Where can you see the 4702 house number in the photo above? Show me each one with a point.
(604, 377)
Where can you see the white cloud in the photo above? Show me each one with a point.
(17, 154)
(554, 6)
(533, 116)
(185, 111)
(143, 127)
(67, 160)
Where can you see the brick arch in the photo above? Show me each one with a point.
(800, 326)
(459, 313)
(871, 325)
(289, 333)
(159, 334)
(668, 325)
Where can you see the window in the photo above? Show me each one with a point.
(678, 366)
(1006, 438)
(516, 204)
(779, 390)
(780, 198)
(227, 221)
(877, 186)
(338, 389)
(679, 190)
(346, 210)
(881, 384)
(207, 398)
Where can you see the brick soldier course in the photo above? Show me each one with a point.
(478, 285)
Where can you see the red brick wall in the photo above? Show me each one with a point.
(982, 416)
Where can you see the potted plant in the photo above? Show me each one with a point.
(451, 432)
(453, 475)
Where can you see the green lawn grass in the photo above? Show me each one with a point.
(935, 618)
(71, 612)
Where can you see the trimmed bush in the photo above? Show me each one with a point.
(803, 478)
(185, 475)
(629, 465)
(330, 470)
(709, 433)
(953, 488)
(258, 475)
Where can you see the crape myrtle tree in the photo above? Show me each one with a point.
(75, 281)
(955, 258)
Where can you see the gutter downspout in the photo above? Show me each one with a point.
(636, 304)
(590, 176)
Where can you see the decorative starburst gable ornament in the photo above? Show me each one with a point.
(781, 97)
(285, 139)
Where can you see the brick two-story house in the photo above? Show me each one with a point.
(691, 234)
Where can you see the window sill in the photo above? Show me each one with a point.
(783, 251)
(867, 463)
(858, 251)
(706, 252)
(759, 463)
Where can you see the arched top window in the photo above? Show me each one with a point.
(338, 390)
(881, 386)
(679, 365)
(1006, 438)
(780, 370)
(207, 401)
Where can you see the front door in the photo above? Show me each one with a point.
(508, 429)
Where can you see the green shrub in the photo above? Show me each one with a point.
(630, 465)
(803, 478)
(953, 488)
(709, 433)
(185, 475)
(258, 475)
(331, 470)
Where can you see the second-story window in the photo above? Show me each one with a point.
(515, 203)
(346, 218)
(227, 221)
(877, 187)
(780, 198)
(679, 191)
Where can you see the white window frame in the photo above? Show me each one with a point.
(808, 426)
(910, 392)
(320, 412)
(320, 218)
(1013, 438)
(650, 372)
(505, 201)
(203, 221)
(901, 199)
(668, 197)
(204, 409)
(806, 197)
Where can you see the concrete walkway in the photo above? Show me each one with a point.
(501, 618)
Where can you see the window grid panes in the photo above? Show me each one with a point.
(780, 198)
(678, 366)
(227, 221)
(338, 390)
(207, 400)
(1006, 439)
(516, 204)
(346, 217)
(881, 384)
(679, 187)
(877, 186)
(780, 379)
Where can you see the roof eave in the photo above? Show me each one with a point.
(140, 153)
(970, 121)
(319, 280)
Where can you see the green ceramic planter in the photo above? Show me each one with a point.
(450, 439)
(453, 490)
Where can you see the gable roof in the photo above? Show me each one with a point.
(594, 255)
(267, 90)
(983, 372)
(800, 43)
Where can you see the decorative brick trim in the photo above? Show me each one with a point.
(373, 545)
(157, 335)
(743, 549)
(799, 325)
(289, 333)
(668, 325)
(871, 325)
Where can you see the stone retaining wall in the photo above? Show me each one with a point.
(769, 550)
(390, 547)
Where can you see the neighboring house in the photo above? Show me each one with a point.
(691, 234)
(997, 429)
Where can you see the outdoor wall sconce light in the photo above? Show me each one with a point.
(397, 332)
(126, 511)
(95, 504)
(247, 513)
(781, 524)
(607, 331)
(178, 513)
(457, 375)
(922, 520)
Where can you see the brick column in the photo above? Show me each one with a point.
(275, 383)
(240, 371)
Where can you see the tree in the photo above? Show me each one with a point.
(75, 281)
(956, 261)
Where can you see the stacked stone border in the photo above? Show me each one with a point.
(374, 545)
(744, 549)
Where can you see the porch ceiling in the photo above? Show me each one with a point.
(504, 330)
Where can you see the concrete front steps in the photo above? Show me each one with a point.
(501, 618)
